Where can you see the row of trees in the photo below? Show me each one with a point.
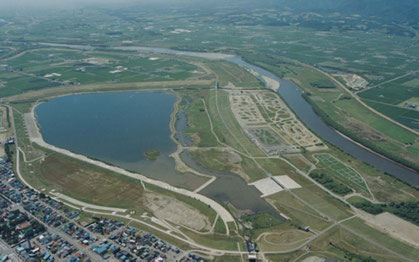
(9, 152)
(406, 210)
(330, 183)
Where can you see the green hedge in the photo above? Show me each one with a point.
(407, 210)
(330, 183)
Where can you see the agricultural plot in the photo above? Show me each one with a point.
(246, 110)
(275, 108)
(403, 115)
(301, 135)
(397, 99)
(51, 67)
(391, 93)
(271, 143)
(269, 123)
(341, 170)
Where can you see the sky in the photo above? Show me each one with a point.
(58, 3)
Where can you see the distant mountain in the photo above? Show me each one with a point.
(397, 11)
(389, 11)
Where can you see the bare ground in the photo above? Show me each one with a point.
(394, 226)
(176, 211)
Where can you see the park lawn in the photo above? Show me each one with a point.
(90, 184)
(220, 227)
(299, 161)
(99, 186)
(347, 244)
(322, 201)
(300, 214)
(281, 237)
(293, 256)
(228, 258)
(278, 167)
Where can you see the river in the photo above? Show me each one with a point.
(293, 97)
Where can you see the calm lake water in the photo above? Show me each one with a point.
(117, 128)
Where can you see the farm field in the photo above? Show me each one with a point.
(267, 121)
(49, 67)
(393, 99)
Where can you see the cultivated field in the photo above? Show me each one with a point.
(268, 122)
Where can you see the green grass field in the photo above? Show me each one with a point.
(360, 227)
(300, 214)
(341, 170)
(349, 247)
(33, 70)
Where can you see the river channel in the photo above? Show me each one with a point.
(293, 97)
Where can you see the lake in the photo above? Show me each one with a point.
(116, 128)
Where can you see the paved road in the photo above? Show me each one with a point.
(5, 249)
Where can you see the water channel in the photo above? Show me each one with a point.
(292, 96)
